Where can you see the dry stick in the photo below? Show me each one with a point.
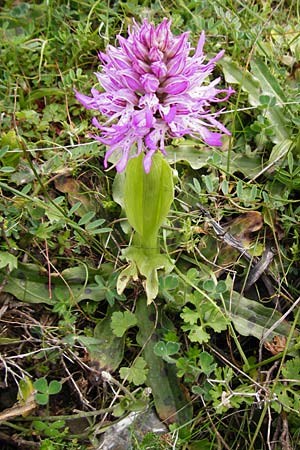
(4, 307)
(285, 438)
(269, 429)
(18, 409)
(275, 440)
(265, 382)
(275, 325)
(81, 397)
(221, 443)
(17, 442)
(76, 415)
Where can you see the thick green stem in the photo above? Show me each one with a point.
(148, 243)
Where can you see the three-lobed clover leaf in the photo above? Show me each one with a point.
(44, 390)
(166, 349)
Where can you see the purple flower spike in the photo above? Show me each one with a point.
(154, 90)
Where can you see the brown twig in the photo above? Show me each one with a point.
(285, 435)
(17, 442)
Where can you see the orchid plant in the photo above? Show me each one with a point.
(153, 90)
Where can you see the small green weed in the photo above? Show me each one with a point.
(45, 390)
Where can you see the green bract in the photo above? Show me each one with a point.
(147, 199)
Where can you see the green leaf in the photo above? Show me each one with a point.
(39, 425)
(92, 225)
(121, 321)
(7, 259)
(87, 218)
(252, 318)
(169, 288)
(192, 152)
(30, 283)
(196, 333)
(281, 150)
(169, 398)
(221, 287)
(7, 169)
(41, 399)
(148, 266)
(4, 150)
(54, 387)
(166, 349)
(207, 363)
(41, 385)
(119, 409)
(189, 315)
(170, 282)
(268, 83)
(198, 156)
(214, 317)
(235, 74)
(103, 230)
(109, 350)
(148, 197)
(209, 286)
(135, 374)
(88, 341)
(26, 389)
(74, 208)
(172, 348)
(291, 370)
(260, 83)
(160, 348)
(58, 424)
(45, 92)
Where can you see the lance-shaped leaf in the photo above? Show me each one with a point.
(29, 283)
(251, 318)
(169, 398)
(268, 83)
(261, 82)
(147, 201)
(201, 156)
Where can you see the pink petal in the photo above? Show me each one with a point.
(163, 34)
(159, 69)
(147, 161)
(199, 49)
(171, 114)
(87, 102)
(175, 85)
(150, 82)
(131, 80)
